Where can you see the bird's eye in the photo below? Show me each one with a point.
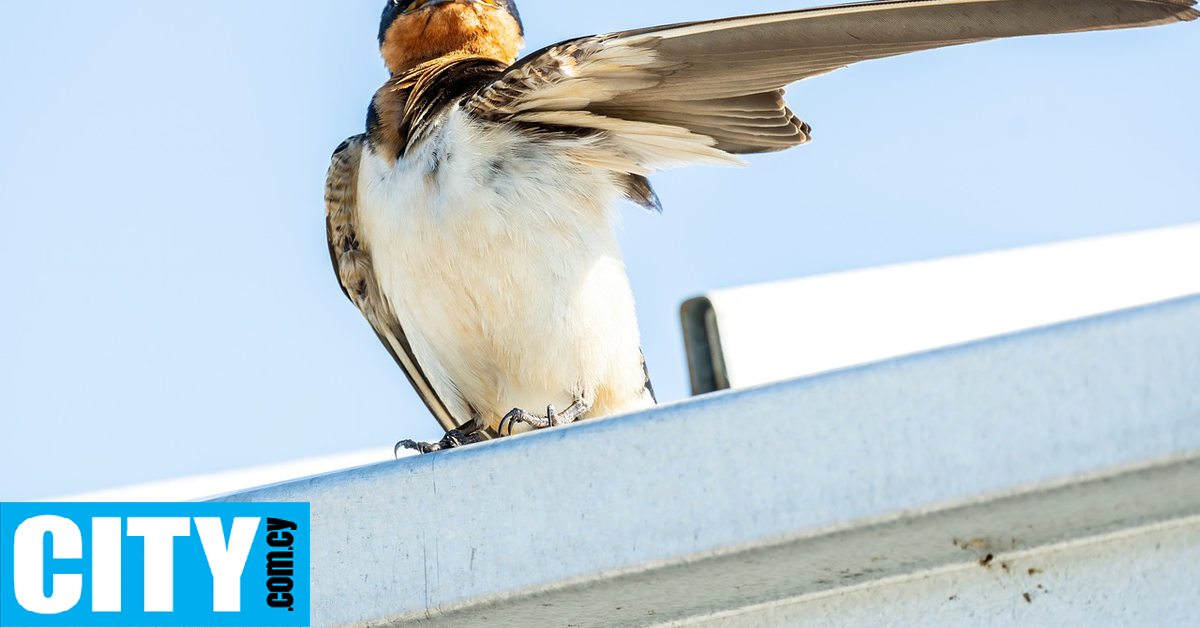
(391, 10)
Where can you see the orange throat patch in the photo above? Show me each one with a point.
(451, 29)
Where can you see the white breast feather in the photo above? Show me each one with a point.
(500, 259)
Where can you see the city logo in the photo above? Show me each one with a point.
(146, 564)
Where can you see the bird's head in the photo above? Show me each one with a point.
(415, 31)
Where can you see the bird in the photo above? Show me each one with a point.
(472, 222)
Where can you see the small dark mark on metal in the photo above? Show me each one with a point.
(1033, 571)
(1028, 598)
(953, 597)
(986, 560)
(1004, 566)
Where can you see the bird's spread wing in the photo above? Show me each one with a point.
(697, 92)
(352, 262)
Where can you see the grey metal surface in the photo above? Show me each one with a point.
(1145, 577)
(767, 579)
(746, 501)
(753, 335)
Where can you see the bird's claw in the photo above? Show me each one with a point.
(517, 415)
(408, 443)
(452, 439)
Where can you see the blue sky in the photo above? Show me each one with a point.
(170, 306)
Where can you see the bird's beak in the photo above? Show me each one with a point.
(425, 3)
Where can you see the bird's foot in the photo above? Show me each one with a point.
(467, 433)
(452, 439)
(552, 418)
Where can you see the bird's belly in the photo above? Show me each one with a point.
(510, 285)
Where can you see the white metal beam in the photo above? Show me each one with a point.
(756, 503)
(769, 332)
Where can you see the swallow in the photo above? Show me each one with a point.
(472, 222)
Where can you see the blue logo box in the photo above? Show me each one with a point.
(154, 564)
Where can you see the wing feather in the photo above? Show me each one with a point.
(351, 259)
(722, 80)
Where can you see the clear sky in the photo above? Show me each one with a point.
(169, 304)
